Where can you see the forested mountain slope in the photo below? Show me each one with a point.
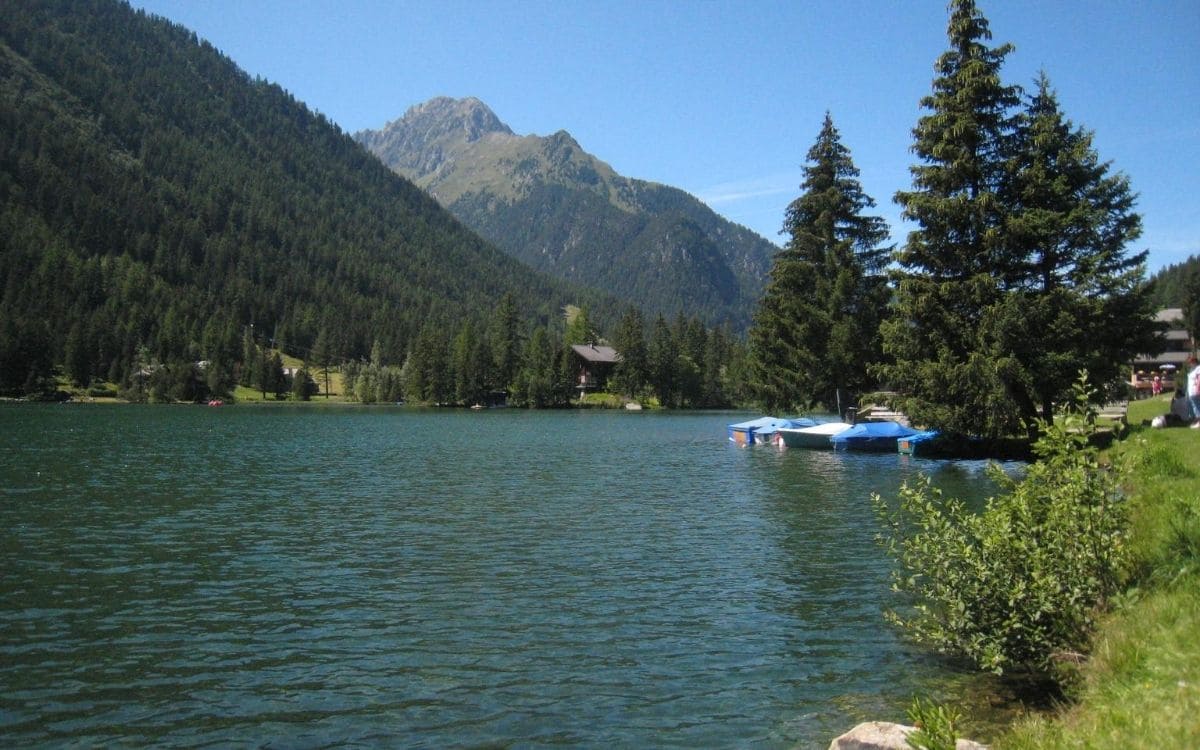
(563, 211)
(155, 201)
(1174, 285)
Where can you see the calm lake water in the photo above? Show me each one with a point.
(381, 577)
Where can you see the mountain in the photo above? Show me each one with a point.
(157, 203)
(556, 207)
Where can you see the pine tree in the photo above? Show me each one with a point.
(322, 357)
(1017, 276)
(631, 373)
(663, 355)
(535, 379)
(251, 360)
(1080, 300)
(955, 265)
(472, 366)
(505, 340)
(300, 389)
(716, 359)
(278, 383)
(77, 356)
(816, 329)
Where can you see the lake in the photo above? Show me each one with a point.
(308, 576)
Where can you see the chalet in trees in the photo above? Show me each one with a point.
(1177, 344)
(593, 365)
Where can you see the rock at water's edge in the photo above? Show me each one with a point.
(884, 735)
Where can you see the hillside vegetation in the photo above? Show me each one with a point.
(158, 204)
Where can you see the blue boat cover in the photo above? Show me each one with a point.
(923, 437)
(869, 431)
(761, 429)
(767, 425)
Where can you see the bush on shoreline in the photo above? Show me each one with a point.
(1136, 681)
(1017, 587)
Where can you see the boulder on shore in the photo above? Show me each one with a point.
(884, 735)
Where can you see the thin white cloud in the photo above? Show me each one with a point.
(750, 188)
(717, 195)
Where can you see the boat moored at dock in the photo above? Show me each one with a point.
(815, 437)
(879, 437)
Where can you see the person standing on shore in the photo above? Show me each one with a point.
(1193, 390)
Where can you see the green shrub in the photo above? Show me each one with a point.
(100, 390)
(934, 724)
(1017, 586)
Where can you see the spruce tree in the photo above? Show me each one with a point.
(505, 339)
(1017, 276)
(632, 371)
(816, 328)
(322, 357)
(1080, 300)
(955, 264)
(663, 358)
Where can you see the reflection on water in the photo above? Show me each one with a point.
(382, 577)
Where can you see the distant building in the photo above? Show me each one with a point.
(594, 365)
(1166, 363)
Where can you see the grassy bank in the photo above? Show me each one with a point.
(1141, 686)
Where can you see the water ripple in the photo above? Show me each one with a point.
(388, 578)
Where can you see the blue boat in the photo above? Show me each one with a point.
(762, 431)
(815, 437)
(872, 436)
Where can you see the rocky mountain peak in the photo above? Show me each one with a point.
(430, 131)
(469, 119)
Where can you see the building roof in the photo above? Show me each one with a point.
(1148, 362)
(598, 354)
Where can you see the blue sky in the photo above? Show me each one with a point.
(724, 99)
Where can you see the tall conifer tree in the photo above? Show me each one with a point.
(505, 338)
(632, 372)
(1080, 300)
(955, 265)
(816, 329)
(1017, 276)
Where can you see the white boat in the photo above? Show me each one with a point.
(761, 431)
(816, 436)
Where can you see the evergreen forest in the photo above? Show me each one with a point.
(159, 207)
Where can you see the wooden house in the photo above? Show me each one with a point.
(593, 365)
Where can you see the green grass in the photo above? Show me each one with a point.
(603, 400)
(1141, 686)
(1143, 410)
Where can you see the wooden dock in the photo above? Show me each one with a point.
(873, 413)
